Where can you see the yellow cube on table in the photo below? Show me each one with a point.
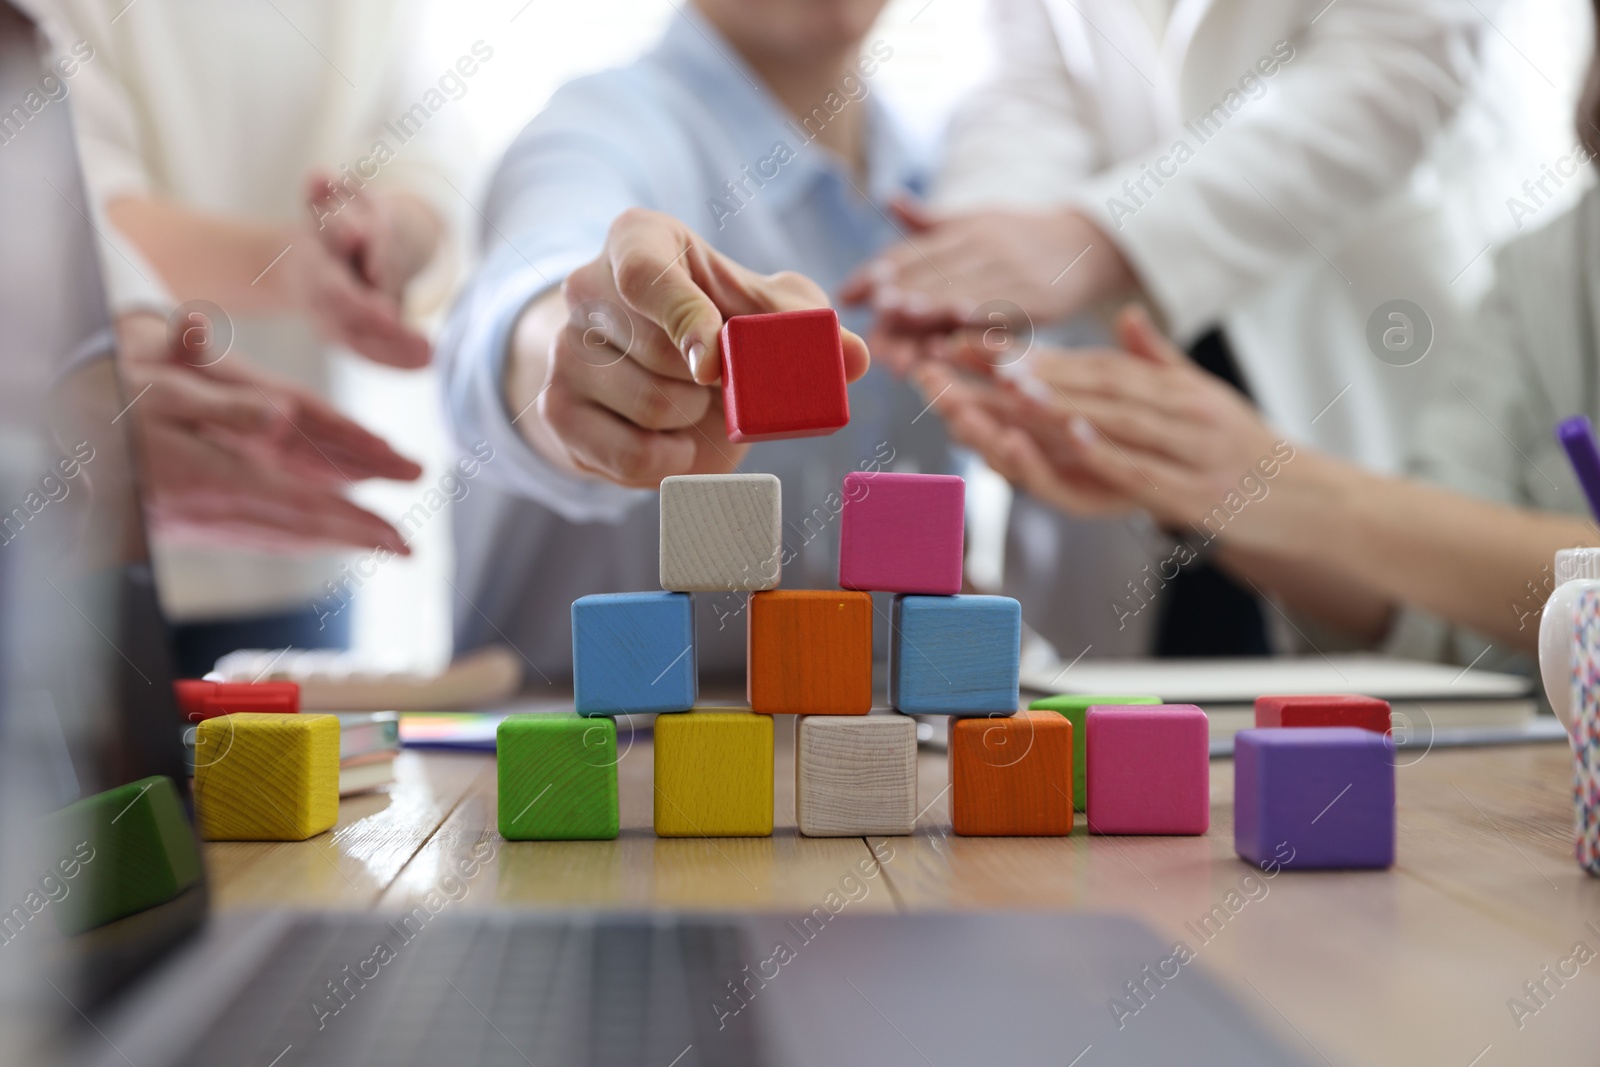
(266, 777)
(713, 774)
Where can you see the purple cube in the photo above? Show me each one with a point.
(1314, 797)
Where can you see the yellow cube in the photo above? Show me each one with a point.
(266, 777)
(713, 774)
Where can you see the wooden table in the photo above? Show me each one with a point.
(1416, 965)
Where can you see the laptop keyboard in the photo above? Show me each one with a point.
(500, 990)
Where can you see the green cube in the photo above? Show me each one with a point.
(140, 852)
(1075, 706)
(558, 778)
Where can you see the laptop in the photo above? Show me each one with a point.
(109, 953)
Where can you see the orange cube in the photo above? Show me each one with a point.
(810, 652)
(1011, 777)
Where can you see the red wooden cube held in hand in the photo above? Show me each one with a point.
(1367, 713)
(783, 375)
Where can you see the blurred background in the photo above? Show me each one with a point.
(402, 615)
(941, 49)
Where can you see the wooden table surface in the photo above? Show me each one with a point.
(1415, 965)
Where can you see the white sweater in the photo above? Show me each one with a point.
(1283, 168)
(224, 107)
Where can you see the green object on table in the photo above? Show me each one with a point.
(136, 850)
(1075, 706)
(558, 778)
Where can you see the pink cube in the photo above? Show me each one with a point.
(901, 533)
(1149, 769)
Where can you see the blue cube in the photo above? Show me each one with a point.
(955, 655)
(1313, 797)
(633, 652)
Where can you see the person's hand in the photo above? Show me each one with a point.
(1115, 430)
(628, 389)
(1025, 440)
(348, 266)
(1048, 264)
(232, 456)
(388, 236)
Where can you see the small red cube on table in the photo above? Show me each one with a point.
(783, 375)
(1367, 713)
(199, 700)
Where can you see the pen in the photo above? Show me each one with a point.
(1577, 437)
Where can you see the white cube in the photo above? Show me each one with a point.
(856, 775)
(721, 532)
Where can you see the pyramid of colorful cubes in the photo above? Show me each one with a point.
(1314, 781)
(1132, 764)
(809, 655)
(1134, 769)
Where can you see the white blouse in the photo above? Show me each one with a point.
(224, 108)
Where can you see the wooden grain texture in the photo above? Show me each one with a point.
(1391, 968)
(721, 532)
(954, 655)
(783, 872)
(810, 652)
(1011, 777)
(633, 653)
(557, 778)
(1388, 968)
(783, 375)
(713, 774)
(1493, 828)
(376, 839)
(1075, 707)
(266, 777)
(1366, 713)
(902, 533)
(856, 775)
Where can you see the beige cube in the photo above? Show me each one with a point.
(856, 775)
(721, 532)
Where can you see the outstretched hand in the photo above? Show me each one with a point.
(1111, 430)
(349, 266)
(628, 391)
(1042, 266)
(236, 457)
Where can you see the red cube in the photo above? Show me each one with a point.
(783, 375)
(199, 700)
(1367, 713)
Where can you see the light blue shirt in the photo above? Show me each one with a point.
(687, 130)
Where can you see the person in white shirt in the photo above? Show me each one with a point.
(284, 164)
(1447, 565)
(1267, 175)
(1453, 563)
